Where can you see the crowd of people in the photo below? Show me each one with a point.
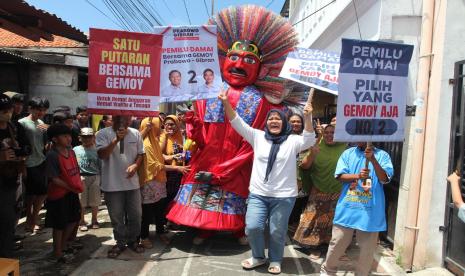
(60, 163)
(138, 165)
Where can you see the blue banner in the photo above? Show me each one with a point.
(375, 57)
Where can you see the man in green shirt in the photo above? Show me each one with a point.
(36, 179)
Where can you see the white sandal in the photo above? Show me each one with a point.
(252, 263)
(274, 268)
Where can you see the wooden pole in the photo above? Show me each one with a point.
(310, 96)
(367, 185)
(309, 102)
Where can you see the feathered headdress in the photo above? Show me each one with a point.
(273, 35)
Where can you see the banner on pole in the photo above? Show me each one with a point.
(372, 91)
(189, 64)
(315, 68)
(124, 70)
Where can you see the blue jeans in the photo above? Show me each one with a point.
(275, 210)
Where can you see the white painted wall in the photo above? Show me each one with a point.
(454, 51)
(396, 20)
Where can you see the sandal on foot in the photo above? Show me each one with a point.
(274, 268)
(83, 228)
(136, 247)
(115, 251)
(252, 263)
(95, 225)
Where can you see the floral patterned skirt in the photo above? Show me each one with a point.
(153, 191)
(316, 221)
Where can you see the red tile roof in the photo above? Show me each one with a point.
(21, 14)
(9, 39)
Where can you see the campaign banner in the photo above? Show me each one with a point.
(124, 70)
(372, 91)
(189, 63)
(315, 68)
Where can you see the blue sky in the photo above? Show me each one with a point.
(82, 15)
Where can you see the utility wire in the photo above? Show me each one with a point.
(167, 7)
(313, 13)
(187, 11)
(104, 14)
(206, 8)
(115, 8)
(358, 24)
(116, 15)
(135, 15)
(154, 8)
(269, 4)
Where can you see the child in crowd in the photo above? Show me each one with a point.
(82, 117)
(89, 167)
(63, 207)
(82, 120)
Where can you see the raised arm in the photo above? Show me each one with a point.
(105, 151)
(246, 131)
(308, 111)
(308, 138)
(379, 171)
(230, 112)
(454, 180)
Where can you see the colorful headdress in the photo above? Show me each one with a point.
(271, 33)
(246, 46)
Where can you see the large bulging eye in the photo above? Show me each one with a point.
(234, 57)
(249, 60)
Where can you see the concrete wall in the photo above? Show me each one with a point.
(401, 21)
(450, 51)
(58, 84)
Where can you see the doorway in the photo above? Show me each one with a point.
(454, 237)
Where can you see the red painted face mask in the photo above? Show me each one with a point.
(240, 68)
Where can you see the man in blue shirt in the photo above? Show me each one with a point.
(361, 206)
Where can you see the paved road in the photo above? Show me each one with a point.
(221, 255)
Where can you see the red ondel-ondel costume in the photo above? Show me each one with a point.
(253, 44)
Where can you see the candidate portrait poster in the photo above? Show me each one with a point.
(315, 68)
(189, 63)
(124, 70)
(372, 91)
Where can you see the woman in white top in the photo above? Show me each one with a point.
(273, 185)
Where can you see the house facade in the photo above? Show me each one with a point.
(422, 223)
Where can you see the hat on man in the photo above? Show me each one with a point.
(15, 96)
(5, 102)
(87, 131)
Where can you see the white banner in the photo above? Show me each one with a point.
(313, 68)
(372, 91)
(189, 63)
(122, 102)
